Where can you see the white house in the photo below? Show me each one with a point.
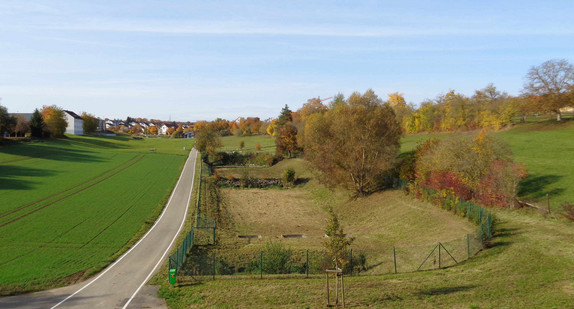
(75, 123)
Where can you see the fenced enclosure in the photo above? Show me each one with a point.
(358, 262)
(278, 261)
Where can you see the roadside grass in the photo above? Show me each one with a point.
(71, 206)
(547, 149)
(231, 143)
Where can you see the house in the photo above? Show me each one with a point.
(75, 123)
(27, 116)
(190, 134)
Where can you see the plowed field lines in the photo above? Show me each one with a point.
(91, 182)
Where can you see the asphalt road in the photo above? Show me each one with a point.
(122, 284)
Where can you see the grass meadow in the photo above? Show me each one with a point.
(528, 264)
(231, 143)
(70, 206)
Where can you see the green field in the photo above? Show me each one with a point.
(231, 143)
(69, 206)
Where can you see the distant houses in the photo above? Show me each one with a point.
(75, 123)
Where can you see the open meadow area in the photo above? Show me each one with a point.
(70, 206)
(528, 264)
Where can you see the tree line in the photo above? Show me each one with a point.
(49, 121)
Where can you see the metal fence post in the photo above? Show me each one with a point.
(261, 265)
(307, 263)
(439, 245)
(351, 261)
(468, 246)
(214, 266)
(395, 259)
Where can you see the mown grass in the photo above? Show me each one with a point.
(231, 143)
(527, 265)
(70, 206)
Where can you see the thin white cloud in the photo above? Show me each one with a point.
(325, 30)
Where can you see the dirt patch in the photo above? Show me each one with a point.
(275, 212)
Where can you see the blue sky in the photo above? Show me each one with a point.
(192, 60)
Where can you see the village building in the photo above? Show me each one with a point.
(75, 123)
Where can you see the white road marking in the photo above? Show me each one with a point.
(170, 244)
(146, 234)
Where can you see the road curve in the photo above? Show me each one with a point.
(120, 284)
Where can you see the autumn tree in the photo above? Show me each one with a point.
(286, 140)
(152, 130)
(136, 129)
(551, 81)
(272, 128)
(22, 126)
(90, 123)
(402, 110)
(314, 105)
(207, 140)
(37, 124)
(55, 120)
(355, 142)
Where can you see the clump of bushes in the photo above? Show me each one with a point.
(471, 168)
(288, 177)
(236, 158)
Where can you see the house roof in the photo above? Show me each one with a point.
(73, 114)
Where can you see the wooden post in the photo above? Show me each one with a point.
(395, 259)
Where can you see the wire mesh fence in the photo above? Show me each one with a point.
(279, 261)
(358, 262)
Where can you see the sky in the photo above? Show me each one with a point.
(200, 60)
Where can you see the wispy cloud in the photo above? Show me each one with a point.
(324, 30)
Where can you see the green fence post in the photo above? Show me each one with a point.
(488, 222)
(261, 265)
(351, 260)
(214, 225)
(468, 246)
(481, 236)
(214, 266)
(439, 245)
(307, 263)
(395, 259)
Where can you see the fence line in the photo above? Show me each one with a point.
(177, 259)
(307, 263)
(473, 212)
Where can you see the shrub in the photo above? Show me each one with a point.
(276, 258)
(288, 177)
(241, 144)
(245, 181)
(568, 211)
(258, 147)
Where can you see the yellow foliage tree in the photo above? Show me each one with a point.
(54, 119)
